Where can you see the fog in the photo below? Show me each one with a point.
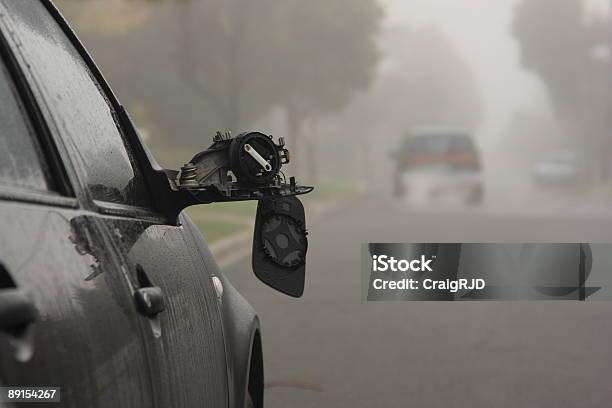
(481, 32)
(188, 69)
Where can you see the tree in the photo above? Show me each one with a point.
(571, 55)
(309, 58)
(329, 54)
(423, 80)
(196, 66)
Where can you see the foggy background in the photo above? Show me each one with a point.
(526, 78)
(344, 81)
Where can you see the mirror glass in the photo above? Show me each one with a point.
(280, 244)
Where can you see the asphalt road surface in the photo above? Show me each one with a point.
(328, 349)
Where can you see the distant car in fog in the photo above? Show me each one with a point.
(435, 164)
(562, 169)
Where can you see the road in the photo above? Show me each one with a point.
(328, 349)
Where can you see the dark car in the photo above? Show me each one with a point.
(438, 163)
(106, 290)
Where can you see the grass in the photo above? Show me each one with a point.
(326, 189)
(239, 208)
(214, 230)
(220, 220)
(217, 221)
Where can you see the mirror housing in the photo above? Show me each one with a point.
(245, 167)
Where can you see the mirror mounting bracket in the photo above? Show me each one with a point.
(245, 167)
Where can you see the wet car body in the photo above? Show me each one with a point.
(438, 164)
(82, 239)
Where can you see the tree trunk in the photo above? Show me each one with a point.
(311, 157)
(294, 127)
(186, 61)
(237, 15)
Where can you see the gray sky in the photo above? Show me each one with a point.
(481, 30)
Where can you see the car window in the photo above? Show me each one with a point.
(429, 144)
(80, 108)
(22, 164)
(438, 144)
(462, 144)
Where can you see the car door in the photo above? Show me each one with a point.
(66, 316)
(184, 342)
(186, 338)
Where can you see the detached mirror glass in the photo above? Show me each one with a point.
(280, 245)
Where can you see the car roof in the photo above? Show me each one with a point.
(438, 139)
(444, 131)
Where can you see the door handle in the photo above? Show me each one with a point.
(16, 310)
(149, 301)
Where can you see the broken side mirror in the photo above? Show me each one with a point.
(280, 245)
(248, 167)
